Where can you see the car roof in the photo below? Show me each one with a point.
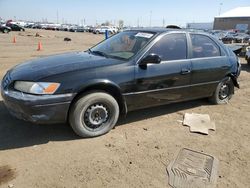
(160, 30)
(151, 29)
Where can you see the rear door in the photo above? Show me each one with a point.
(165, 82)
(209, 65)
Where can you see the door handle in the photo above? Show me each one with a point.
(185, 71)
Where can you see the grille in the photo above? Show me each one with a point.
(6, 80)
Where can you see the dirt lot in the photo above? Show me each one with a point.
(135, 153)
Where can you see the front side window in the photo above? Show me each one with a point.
(171, 47)
(123, 45)
(203, 46)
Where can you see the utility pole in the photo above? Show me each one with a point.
(150, 18)
(220, 8)
(163, 22)
(57, 16)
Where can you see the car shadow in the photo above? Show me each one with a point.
(15, 133)
(147, 113)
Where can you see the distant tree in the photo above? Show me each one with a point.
(107, 23)
(121, 23)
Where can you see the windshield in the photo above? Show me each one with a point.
(123, 45)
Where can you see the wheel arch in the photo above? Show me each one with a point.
(102, 86)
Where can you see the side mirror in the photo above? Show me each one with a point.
(150, 59)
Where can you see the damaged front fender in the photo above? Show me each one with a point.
(235, 81)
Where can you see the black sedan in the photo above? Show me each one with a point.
(16, 27)
(131, 70)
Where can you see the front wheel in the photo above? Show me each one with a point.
(224, 92)
(94, 114)
(5, 31)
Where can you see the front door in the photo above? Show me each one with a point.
(165, 82)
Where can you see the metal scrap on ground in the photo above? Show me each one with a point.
(193, 169)
(198, 123)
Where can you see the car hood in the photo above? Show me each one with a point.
(58, 64)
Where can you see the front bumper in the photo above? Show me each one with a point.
(37, 108)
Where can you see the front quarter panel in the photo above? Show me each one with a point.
(120, 75)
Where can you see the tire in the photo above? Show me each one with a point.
(224, 92)
(5, 31)
(94, 114)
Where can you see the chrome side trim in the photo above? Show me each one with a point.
(163, 89)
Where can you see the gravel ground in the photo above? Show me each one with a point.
(135, 153)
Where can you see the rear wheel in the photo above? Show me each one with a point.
(94, 114)
(223, 92)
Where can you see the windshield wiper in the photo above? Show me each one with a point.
(98, 53)
(105, 55)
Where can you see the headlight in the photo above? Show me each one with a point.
(36, 87)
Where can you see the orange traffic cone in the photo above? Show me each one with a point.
(39, 46)
(14, 39)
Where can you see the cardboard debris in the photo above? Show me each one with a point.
(198, 123)
(192, 169)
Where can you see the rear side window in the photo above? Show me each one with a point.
(203, 46)
(171, 47)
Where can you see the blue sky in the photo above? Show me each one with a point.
(133, 12)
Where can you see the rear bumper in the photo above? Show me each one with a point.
(37, 108)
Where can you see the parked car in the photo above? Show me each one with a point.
(218, 34)
(229, 37)
(4, 29)
(80, 29)
(29, 25)
(247, 57)
(102, 29)
(90, 29)
(64, 28)
(73, 29)
(51, 27)
(15, 27)
(131, 70)
(241, 38)
(38, 26)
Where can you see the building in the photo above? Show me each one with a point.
(238, 18)
(204, 26)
